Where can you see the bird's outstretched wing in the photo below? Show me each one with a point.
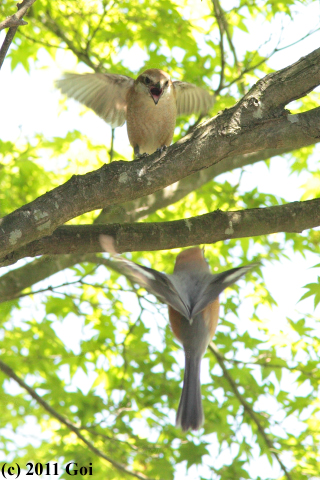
(104, 93)
(157, 283)
(192, 99)
(218, 283)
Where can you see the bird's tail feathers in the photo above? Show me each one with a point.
(190, 411)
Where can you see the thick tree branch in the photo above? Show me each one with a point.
(277, 89)
(141, 208)
(123, 181)
(13, 23)
(248, 409)
(11, 374)
(13, 282)
(248, 127)
(210, 228)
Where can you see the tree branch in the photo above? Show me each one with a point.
(231, 46)
(268, 363)
(209, 228)
(292, 83)
(249, 126)
(248, 409)
(11, 374)
(13, 23)
(53, 26)
(144, 206)
(13, 282)
(122, 181)
(218, 15)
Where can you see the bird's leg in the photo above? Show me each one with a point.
(137, 154)
(162, 150)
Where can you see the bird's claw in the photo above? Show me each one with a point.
(162, 149)
(140, 155)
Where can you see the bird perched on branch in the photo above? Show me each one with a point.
(192, 295)
(149, 104)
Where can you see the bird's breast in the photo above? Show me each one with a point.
(150, 126)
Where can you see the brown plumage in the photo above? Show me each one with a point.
(149, 104)
(192, 295)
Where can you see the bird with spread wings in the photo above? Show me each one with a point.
(149, 104)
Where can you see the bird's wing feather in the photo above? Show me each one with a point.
(217, 285)
(192, 99)
(105, 93)
(157, 283)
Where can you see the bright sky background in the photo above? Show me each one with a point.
(30, 104)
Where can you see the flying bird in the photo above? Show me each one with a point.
(192, 295)
(149, 104)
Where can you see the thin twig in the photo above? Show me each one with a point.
(218, 16)
(10, 373)
(247, 70)
(51, 24)
(40, 42)
(247, 408)
(297, 41)
(96, 29)
(264, 59)
(271, 365)
(111, 151)
(231, 46)
(13, 22)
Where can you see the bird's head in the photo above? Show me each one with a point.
(155, 83)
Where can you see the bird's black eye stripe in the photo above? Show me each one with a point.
(147, 80)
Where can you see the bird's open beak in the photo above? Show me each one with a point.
(156, 91)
